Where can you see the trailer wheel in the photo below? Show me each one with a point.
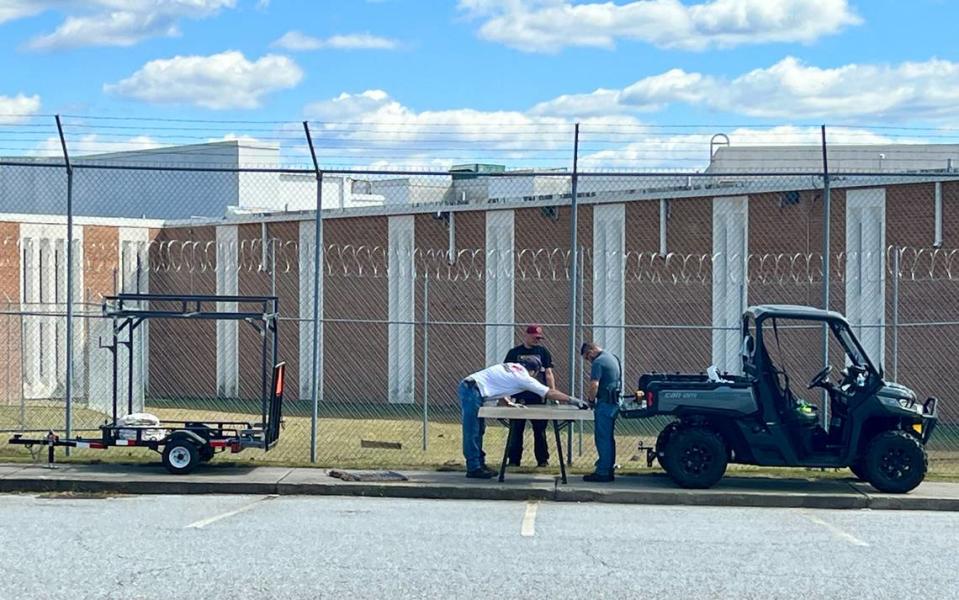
(695, 457)
(895, 462)
(180, 456)
(207, 453)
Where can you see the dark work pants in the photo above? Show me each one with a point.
(539, 441)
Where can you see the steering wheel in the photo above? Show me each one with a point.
(821, 378)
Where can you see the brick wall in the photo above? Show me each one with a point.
(654, 299)
(355, 354)
(456, 293)
(10, 324)
(182, 352)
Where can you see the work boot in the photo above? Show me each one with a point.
(481, 474)
(597, 478)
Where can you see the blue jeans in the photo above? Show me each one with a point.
(605, 420)
(473, 427)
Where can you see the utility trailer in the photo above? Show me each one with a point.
(185, 444)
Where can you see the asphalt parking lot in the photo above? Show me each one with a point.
(342, 547)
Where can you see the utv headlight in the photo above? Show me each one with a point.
(903, 403)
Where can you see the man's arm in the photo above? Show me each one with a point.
(550, 379)
(592, 390)
(558, 395)
(595, 374)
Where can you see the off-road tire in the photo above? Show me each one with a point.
(858, 469)
(663, 438)
(695, 457)
(895, 462)
(180, 456)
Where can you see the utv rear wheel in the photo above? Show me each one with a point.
(895, 462)
(695, 457)
(663, 438)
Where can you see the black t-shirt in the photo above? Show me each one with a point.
(516, 355)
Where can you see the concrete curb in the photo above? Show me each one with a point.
(641, 490)
(717, 498)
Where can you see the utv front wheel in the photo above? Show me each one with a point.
(858, 469)
(895, 462)
(695, 457)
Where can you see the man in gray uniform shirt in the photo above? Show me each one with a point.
(605, 385)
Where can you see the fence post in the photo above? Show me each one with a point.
(23, 371)
(426, 357)
(895, 313)
(573, 249)
(317, 325)
(69, 333)
(579, 361)
(826, 268)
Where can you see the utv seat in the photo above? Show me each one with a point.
(801, 412)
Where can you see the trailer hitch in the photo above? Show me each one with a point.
(650, 454)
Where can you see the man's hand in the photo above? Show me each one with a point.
(509, 402)
(578, 403)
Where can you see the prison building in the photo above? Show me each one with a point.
(423, 280)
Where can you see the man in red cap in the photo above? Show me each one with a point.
(532, 346)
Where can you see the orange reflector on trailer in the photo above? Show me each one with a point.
(280, 376)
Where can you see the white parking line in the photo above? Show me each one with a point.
(204, 522)
(839, 533)
(529, 520)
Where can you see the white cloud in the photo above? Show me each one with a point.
(93, 143)
(11, 10)
(296, 41)
(690, 151)
(18, 108)
(790, 89)
(551, 25)
(110, 22)
(601, 102)
(374, 117)
(373, 129)
(221, 81)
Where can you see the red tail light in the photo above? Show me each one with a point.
(650, 399)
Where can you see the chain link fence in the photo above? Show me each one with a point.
(428, 277)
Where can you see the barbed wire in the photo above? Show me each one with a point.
(281, 257)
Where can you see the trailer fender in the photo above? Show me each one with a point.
(190, 435)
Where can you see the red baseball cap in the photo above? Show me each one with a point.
(535, 330)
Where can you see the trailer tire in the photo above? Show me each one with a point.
(180, 456)
(695, 457)
(207, 453)
(895, 462)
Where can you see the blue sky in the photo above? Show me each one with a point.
(757, 68)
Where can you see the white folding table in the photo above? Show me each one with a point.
(561, 416)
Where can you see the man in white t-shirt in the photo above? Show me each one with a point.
(498, 381)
